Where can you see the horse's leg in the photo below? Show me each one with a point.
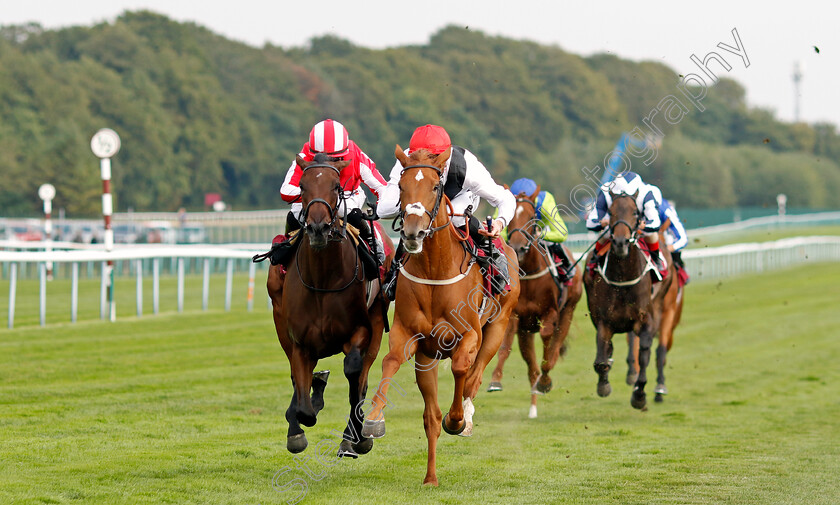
(603, 358)
(637, 399)
(364, 445)
(463, 358)
(529, 354)
(492, 335)
(295, 438)
(503, 354)
(402, 348)
(353, 368)
(632, 358)
(427, 380)
(302, 367)
(568, 303)
(666, 338)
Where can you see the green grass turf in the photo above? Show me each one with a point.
(189, 409)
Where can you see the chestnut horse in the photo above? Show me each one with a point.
(322, 308)
(439, 307)
(619, 295)
(672, 306)
(541, 302)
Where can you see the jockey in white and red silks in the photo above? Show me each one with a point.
(329, 137)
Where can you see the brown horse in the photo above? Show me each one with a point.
(541, 302)
(439, 307)
(322, 309)
(672, 306)
(619, 296)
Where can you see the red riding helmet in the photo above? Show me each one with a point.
(430, 137)
(329, 137)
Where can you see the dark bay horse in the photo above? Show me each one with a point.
(619, 296)
(440, 309)
(322, 309)
(543, 306)
(672, 306)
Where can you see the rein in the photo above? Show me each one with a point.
(603, 270)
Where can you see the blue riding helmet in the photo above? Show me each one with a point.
(523, 185)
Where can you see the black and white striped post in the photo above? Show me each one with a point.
(47, 192)
(105, 144)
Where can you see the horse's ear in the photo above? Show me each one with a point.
(443, 157)
(341, 164)
(401, 156)
(536, 193)
(506, 187)
(300, 162)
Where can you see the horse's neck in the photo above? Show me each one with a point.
(625, 269)
(439, 258)
(327, 262)
(535, 259)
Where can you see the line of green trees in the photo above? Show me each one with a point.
(199, 113)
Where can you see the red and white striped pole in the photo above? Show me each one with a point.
(47, 192)
(105, 144)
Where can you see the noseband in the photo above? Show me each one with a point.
(399, 222)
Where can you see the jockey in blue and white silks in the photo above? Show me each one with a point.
(675, 236)
(648, 198)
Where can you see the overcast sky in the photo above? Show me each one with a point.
(774, 34)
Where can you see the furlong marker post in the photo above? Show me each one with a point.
(105, 144)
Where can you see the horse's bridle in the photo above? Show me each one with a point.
(342, 200)
(530, 236)
(333, 236)
(399, 221)
(633, 228)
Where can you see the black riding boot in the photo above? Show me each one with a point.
(389, 284)
(566, 269)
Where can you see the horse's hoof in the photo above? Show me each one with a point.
(345, 450)
(638, 399)
(661, 389)
(296, 443)
(468, 430)
(322, 376)
(532, 412)
(457, 431)
(430, 481)
(494, 386)
(373, 429)
(631, 378)
(604, 389)
(364, 446)
(541, 386)
(659, 398)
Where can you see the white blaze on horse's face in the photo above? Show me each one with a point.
(519, 210)
(419, 176)
(415, 209)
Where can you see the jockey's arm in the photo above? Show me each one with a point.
(479, 181)
(290, 190)
(554, 227)
(677, 229)
(650, 213)
(370, 175)
(600, 212)
(389, 198)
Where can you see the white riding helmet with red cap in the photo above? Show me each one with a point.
(329, 137)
